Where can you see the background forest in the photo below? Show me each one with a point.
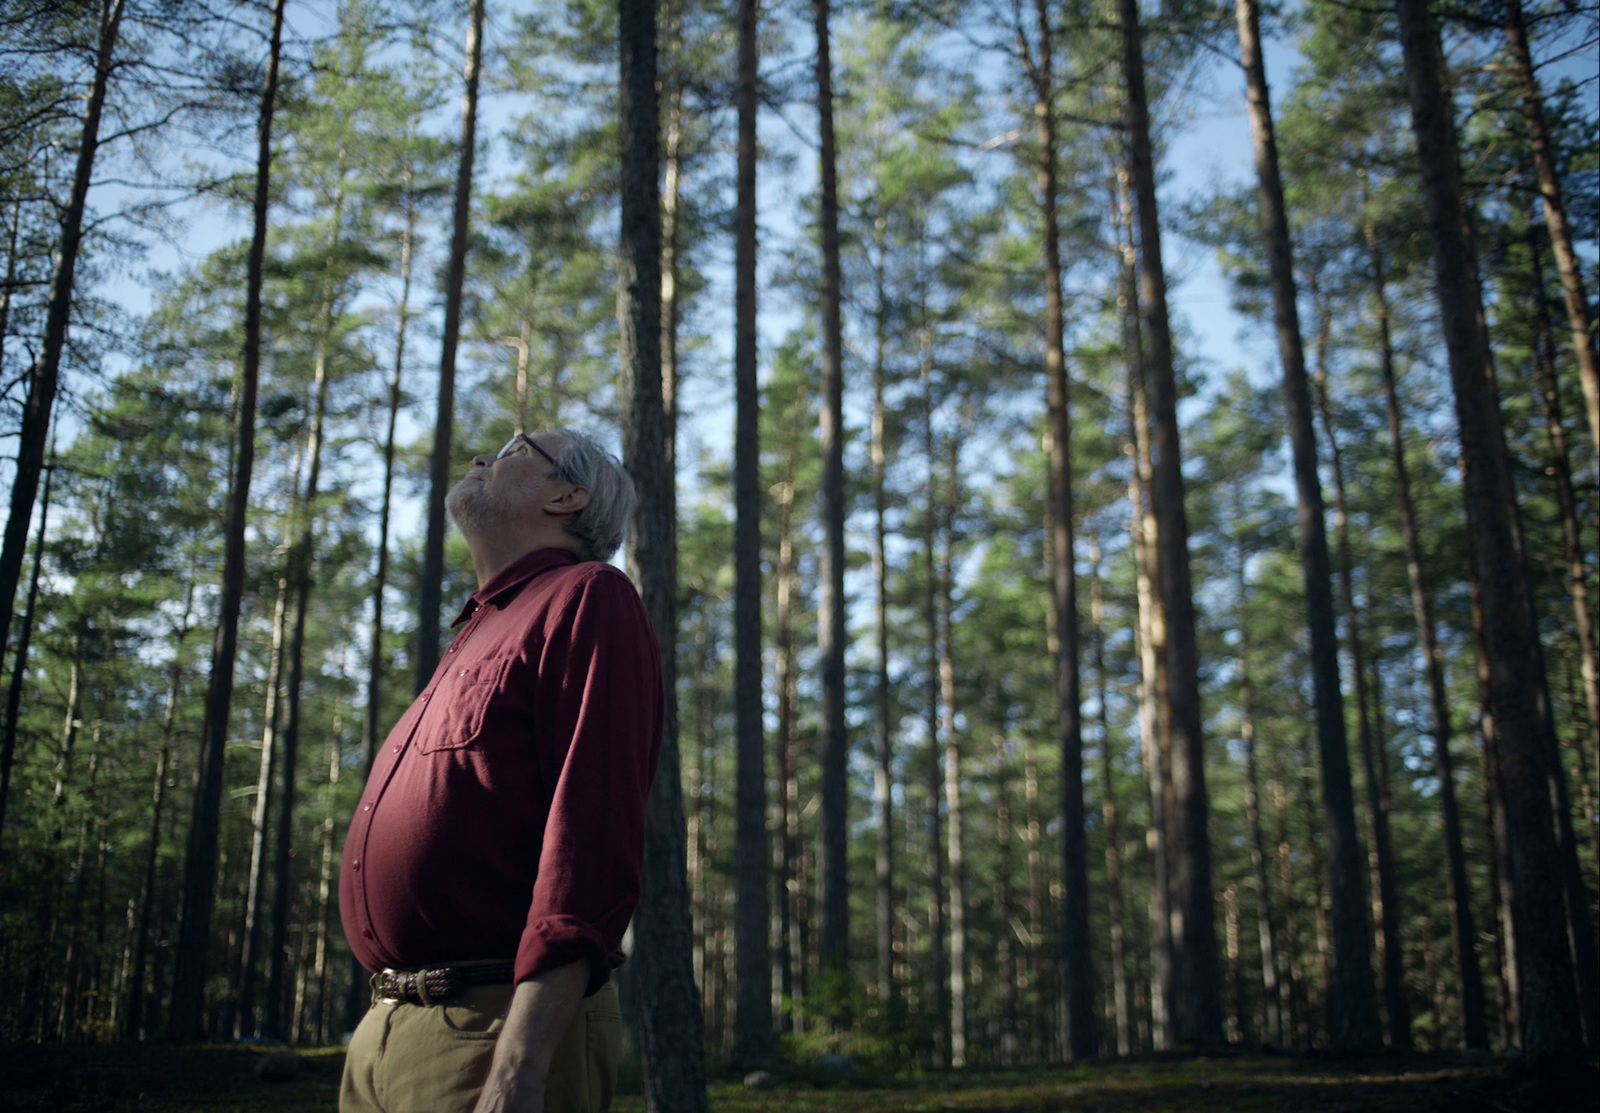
(1044, 689)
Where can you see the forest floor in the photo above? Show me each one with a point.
(158, 1079)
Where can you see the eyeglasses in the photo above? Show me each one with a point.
(523, 438)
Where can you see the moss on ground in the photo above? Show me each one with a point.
(162, 1079)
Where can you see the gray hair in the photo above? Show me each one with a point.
(598, 527)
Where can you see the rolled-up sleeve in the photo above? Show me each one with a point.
(598, 712)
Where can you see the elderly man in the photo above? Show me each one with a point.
(494, 859)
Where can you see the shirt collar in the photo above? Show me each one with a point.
(514, 575)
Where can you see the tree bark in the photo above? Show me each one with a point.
(326, 879)
(787, 881)
(200, 864)
(1463, 928)
(1196, 971)
(1355, 1022)
(1579, 926)
(1108, 811)
(1036, 898)
(1296, 1017)
(1077, 966)
(46, 375)
(299, 566)
(883, 742)
(1008, 1053)
(431, 590)
(134, 1025)
(935, 788)
(10, 279)
(1274, 1032)
(1155, 723)
(835, 942)
(1560, 470)
(19, 664)
(754, 1039)
(1551, 1024)
(244, 1019)
(1385, 895)
(1555, 215)
(672, 1043)
(954, 816)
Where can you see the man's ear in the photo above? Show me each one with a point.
(568, 503)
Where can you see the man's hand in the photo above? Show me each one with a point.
(542, 1009)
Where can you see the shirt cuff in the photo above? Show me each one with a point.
(551, 942)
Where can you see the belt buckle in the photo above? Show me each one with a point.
(390, 987)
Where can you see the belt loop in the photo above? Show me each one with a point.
(375, 993)
(423, 995)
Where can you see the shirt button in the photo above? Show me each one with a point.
(356, 866)
(366, 807)
(397, 749)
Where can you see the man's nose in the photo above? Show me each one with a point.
(482, 460)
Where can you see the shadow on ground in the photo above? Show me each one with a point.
(161, 1079)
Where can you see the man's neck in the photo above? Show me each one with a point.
(491, 557)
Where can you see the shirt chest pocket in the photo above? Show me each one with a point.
(460, 705)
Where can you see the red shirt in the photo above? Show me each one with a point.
(504, 815)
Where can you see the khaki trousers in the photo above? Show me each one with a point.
(433, 1059)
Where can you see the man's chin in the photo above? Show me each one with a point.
(466, 503)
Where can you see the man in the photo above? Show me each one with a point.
(495, 856)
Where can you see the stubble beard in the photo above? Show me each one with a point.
(468, 504)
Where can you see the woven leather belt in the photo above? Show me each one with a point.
(430, 987)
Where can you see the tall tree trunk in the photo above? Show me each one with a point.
(326, 879)
(1108, 809)
(1008, 1053)
(935, 787)
(1155, 721)
(1077, 967)
(355, 1002)
(786, 863)
(1237, 1023)
(1036, 898)
(19, 664)
(835, 943)
(1274, 1032)
(300, 560)
(1385, 895)
(244, 1020)
(1555, 215)
(431, 589)
(1560, 468)
(10, 279)
(46, 373)
(883, 770)
(1320, 1009)
(1551, 1020)
(952, 754)
(671, 88)
(1355, 1022)
(135, 1024)
(754, 1038)
(72, 962)
(371, 724)
(1464, 932)
(1196, 971)
(200, 864)
(672, 1028)
(1579, 926)
(1297, 1015)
